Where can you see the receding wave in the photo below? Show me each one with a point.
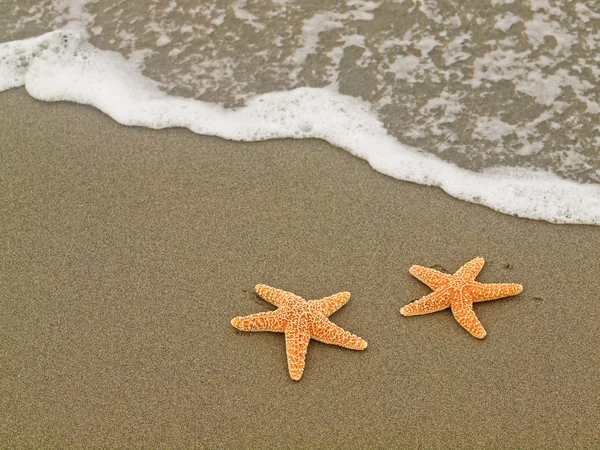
(63, 65)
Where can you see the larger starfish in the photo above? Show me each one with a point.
(300, 320)
(459, 292)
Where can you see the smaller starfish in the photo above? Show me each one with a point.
(300, 320)
(459, 292)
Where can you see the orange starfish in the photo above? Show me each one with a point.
(300, 320)
(459, 292)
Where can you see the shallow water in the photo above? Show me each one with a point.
(484, 87)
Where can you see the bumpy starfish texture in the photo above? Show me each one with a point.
(458, 291)
(300, 320)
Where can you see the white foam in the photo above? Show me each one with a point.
(245, 15)
(541, 26)
(62, 65)
(320, 22)
(505, 21)
(492, 129)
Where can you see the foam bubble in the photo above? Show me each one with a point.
(62, 65)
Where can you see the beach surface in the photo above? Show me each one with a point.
(125, 252)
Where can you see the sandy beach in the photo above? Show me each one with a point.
(125, 252)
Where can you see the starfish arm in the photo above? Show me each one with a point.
(470, 270)
(297, 336)
(480, 292)
(326, 331)
(328, 305)
(436, 301)
(275, 296)
(262, 321)
(464, 314)
(431, 277)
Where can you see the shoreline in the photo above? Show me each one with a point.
(127, 251)
(73, 74)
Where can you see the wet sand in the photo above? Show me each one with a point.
(125, 252)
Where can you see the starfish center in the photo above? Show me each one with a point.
(456, 283)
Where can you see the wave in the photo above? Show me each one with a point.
(63, 66)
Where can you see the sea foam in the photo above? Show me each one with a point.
(63, 65)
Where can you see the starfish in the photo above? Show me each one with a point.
(458, 291)
(300, 320)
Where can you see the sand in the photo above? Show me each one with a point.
(125, 252)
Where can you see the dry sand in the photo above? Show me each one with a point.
(125, 252)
